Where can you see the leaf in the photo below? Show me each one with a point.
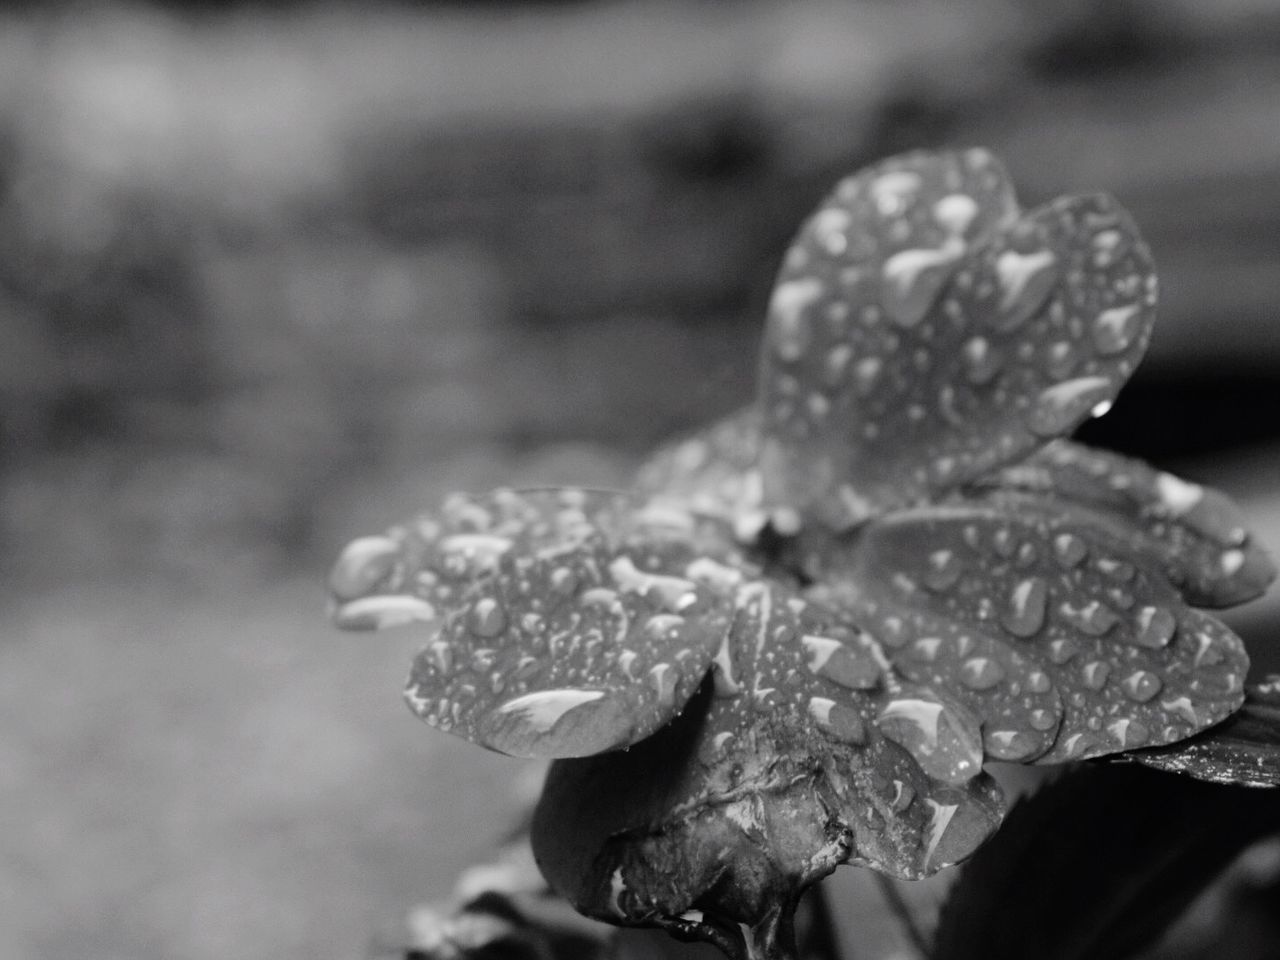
(1097, 865)
(921, 334)
(802, 751)
(1017, 609)
(1196, 533)
(565, 622)
(1243, 750)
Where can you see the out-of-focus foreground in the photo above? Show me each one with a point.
(272, 278)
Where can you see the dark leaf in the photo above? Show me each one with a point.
(1045, 625)
(921, 334)
(1196, 533)
(1097, 865)
(1244, 749)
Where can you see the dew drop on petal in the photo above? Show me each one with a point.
(1025, 613)
(981, 673)
(1156, 627)
(913, 279)
(1129, 733)
(1038, 682)
(828, 657)
(981, 361)
(1026, 279)
(1062, 650)
(789, 325)
(486, 618)
(1069, 550)
(1059, 408)
(836, 363)
(1114, 329)
(1009, 745)
(866, 374)
(945, 742)
(1141, 685)
(1093, 618)
(955, 212)
(837, 721)
(1095, 673)
(1042, 720)
(943, 570)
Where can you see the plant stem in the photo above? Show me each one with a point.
(902, 910)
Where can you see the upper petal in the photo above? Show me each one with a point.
(563, 623)
(915, 345)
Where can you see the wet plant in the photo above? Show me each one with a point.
(803, 634)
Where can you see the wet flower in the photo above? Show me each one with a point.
(797, 641)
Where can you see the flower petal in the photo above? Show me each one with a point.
(1100, 625)
(931, 347)
(714, 472)
(567, 622)
(802, 751)
(1196, 533)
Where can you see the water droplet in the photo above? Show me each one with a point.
(829, 658)
(892, 192)
(925, 650)
(1009, 745)
(1062, 359)
(1129, 733)
(1095, 674)
(1062, 650)
(564, 581)
(945, 741)
(486, 618)
(943, 570)
(527, 668)
(1093, 618)
(1059, 408)
(1025, 614)
(1120, 570)
(1004, 542)
(1177, 495)
(1115, 329)
(381, 613)
(836, 364)
(981, 673)
(866, 374)
(914, 278)
(1183, 708)
(1026, 555)
(1230, 562)
(663, 679)
(553, 723)
(1141, 685)
(955, 212)
(483, 659)
(1042, 720)
(442, 658)
(363, 565)
(981, 361)
(1069, 550)
(830, 227)
(1026, 280)
(1156, 627)
(837, 720)
(1038, 682)
(788, 320)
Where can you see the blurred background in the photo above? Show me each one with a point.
(273, 275)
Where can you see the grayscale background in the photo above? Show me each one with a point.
(274, 275)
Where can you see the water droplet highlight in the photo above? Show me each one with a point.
(1025, 614)
(1114, 330)
(1026, 280)
(1059, 408)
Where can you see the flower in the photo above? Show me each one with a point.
(800, 637)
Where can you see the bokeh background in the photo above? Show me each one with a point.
(274, 275)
